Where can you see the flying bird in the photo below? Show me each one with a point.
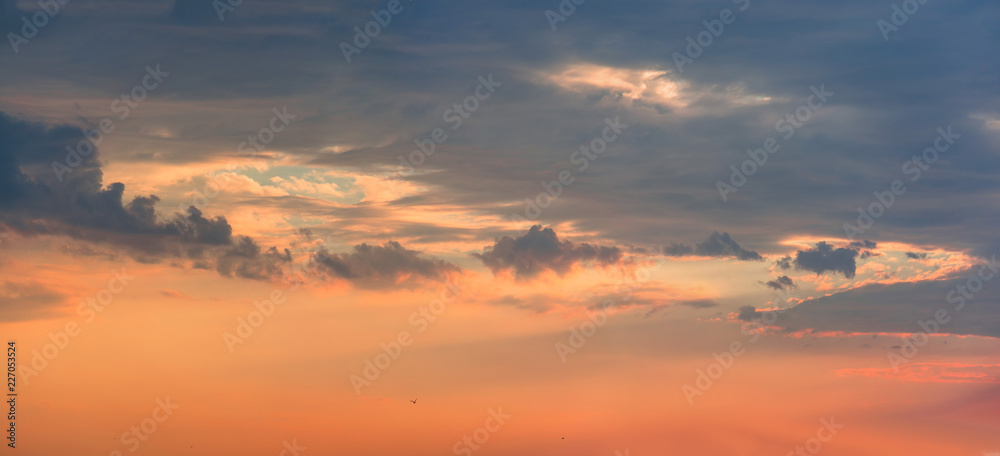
(414, 401)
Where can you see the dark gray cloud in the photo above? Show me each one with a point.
(34, 202)
(864, 244)
(747, 313)
(89, 250)
(825, 258)
(897, 308)
(916, 255)
(245, 259)
(197, 228)
(699, 303)
(781, 283)
(381, 266)
(890, 98)
(865, 254)
(541, 250)
(717, 245)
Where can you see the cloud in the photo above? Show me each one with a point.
(864, 244)
(747, 313)
(781, 283)
(174, 294)
(245, 259)
(917, 256)
(655, 305)
(28, 301)
(541, 250)
(717, 245)
(931, 372)
(33, 201)
(537, 304)
(88, 250)
(661, 166)
(375, 266)
(898, 307)
(195, 12)
(868, 254)
(825, 258)
(654, 88)
(699, 303)
(197, 228)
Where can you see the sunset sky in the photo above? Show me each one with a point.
(738, 227)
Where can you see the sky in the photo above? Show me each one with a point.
(733, 227)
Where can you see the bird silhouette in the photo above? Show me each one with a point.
(414, 401)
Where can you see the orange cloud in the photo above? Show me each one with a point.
(932, 372)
